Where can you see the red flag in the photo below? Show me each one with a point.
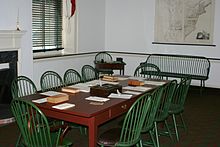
(73, 2)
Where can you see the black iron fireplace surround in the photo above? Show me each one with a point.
(6, 77)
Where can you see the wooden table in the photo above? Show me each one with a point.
(115, 65)
(85, 113)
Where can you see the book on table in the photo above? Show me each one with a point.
(110, 78)
(132, 82)
(70, 89)
(58, 98)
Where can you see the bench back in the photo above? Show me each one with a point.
(181, 65)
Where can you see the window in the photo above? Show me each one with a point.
(47, 25)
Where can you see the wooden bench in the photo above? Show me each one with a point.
(179, 66)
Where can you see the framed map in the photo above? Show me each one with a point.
(184, 21)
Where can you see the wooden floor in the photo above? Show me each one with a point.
(202, 115)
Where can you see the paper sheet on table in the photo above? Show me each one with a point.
(63, 106)
(120, 96)
(137, 88)
(92, 83)
(39, 101)
(154, 82)
(97, 99)
(132, 92)
(82, 87)
(51, 93)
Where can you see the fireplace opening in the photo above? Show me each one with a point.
(7, 75)
(5, 80)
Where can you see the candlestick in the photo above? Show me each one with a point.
(17, 23)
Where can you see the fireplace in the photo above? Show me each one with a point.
(7, 73)
(10, 58)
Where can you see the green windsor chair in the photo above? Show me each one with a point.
(129, 134)
(162, 112)
(89, 73)
(103, 57)
(50, 80)
(149, 123)
(22, 86)
(34, 126)
(71, 77)
(177, 103)
(148, 70)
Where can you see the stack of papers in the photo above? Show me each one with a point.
(122, 78)
(120, 96)
(154, 82)
(92, 83)
(82, 87)
(137, 88)
(39, 101)
(63, 106)
(51, 93)
(97, 99)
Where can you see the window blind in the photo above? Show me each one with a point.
(46, 25)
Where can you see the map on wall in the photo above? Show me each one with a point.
(184, 21)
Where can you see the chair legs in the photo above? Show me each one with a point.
(152, 142)
(183, 122)
(168, 130)
(157, 133)
(176, 126)
(18, 140)
(83, 130)
(139, 144)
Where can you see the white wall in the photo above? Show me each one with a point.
(91, 25)
(130, 28)
(60, 65)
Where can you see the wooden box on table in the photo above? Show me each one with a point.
(105, 90)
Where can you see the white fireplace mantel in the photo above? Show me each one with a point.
(10, 39)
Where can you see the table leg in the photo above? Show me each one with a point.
(92, 133)
(121, 71)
